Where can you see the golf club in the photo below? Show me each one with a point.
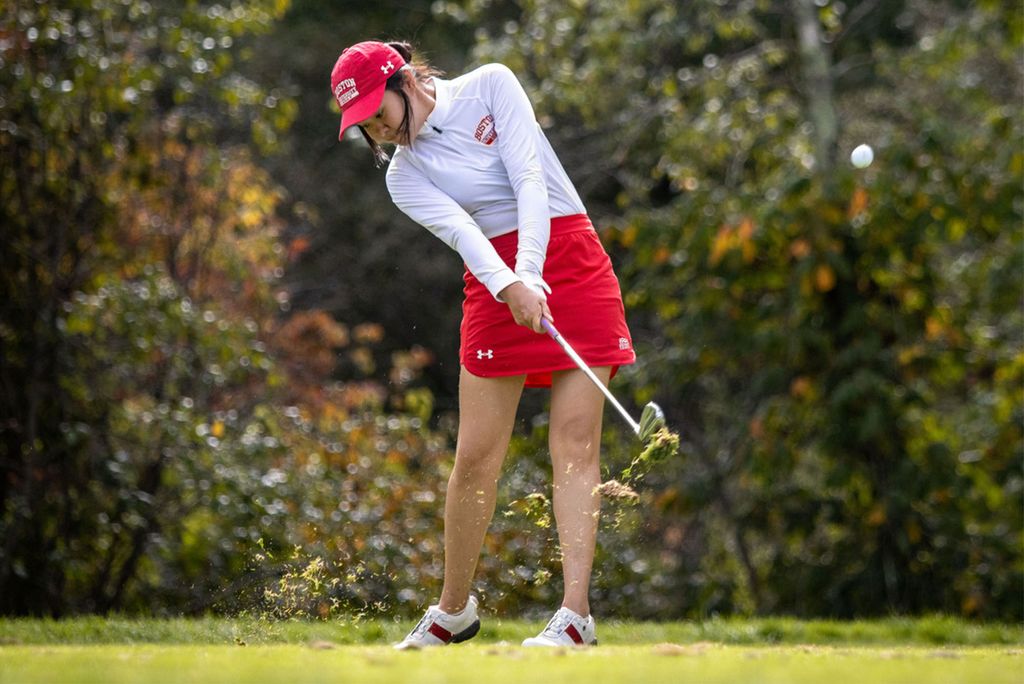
(652, 418)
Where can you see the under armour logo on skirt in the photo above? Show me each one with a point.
(481, 354)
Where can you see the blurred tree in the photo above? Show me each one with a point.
(128, 203)
(840, 348)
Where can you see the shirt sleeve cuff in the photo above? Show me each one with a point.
(500, 280)
(534, 281)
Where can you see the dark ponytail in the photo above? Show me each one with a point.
(404, 49)
(396, 84)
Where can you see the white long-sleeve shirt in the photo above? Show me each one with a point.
(482, 167)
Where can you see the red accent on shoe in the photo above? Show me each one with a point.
(574, 633)
(440, 632)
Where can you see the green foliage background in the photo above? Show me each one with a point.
(228, 364)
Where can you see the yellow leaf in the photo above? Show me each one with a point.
(877, 516)
(800, 248)
(723, 243)
(746, 229)
(249, 218)
(910, 354)
(749, 251)
(957, 229)
(800, 387)
(217, 429)
(858, 203)
(628, 236)
(746, 234)
(824, 278)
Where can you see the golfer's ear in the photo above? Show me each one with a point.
(408, 79)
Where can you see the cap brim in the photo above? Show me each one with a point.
(363, 108)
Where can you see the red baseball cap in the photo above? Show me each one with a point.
(359, 77)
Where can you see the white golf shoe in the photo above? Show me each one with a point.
(566, 628)
(438, 628)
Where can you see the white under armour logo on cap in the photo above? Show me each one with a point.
(387, 67)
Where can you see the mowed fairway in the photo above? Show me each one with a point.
(39, 651)
(492, 663)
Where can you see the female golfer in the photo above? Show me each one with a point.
(473, 167)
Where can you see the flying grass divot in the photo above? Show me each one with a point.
(663, 445)
(659, 442)
(613, 490)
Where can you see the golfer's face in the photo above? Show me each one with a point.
(383, 126)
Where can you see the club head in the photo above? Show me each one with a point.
(652, 419)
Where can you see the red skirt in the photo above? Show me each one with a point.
(585, 302)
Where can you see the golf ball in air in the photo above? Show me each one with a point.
(862, 156)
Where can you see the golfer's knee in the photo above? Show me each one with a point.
(576, 438)
(476, 471)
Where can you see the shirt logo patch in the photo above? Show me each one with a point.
(623, 343)
(481, 354)
(485, 132)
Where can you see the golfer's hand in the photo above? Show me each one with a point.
(527, 305)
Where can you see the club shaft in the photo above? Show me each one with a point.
(567, 348)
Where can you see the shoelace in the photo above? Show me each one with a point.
(423, 625)
(558, 623)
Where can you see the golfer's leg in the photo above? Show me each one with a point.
(487, 413)
(575, 439)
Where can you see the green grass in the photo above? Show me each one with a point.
(108, 651)
(706, 663)
(930, 631)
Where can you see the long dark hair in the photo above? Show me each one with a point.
(396, 84)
